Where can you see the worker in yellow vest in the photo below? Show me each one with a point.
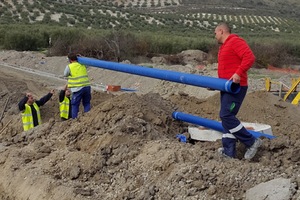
(65, 106)
(78, 82)
(30, 108)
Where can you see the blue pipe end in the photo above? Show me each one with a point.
(232, 87)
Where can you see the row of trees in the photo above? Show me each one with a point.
(100, 16)
(139, 23)
(121, 45)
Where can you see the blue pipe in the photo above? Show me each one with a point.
(128, 90)
(179, 77)
(212, 124)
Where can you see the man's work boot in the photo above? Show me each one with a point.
(222, 154)
(251, 151)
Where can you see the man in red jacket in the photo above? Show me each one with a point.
(235, 58)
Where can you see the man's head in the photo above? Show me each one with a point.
(222, 31)
(72, 57)
(30, 100)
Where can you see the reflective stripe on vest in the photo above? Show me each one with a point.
(79, 76)
(64, 107)
(27, 118)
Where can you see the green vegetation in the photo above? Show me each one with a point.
(276, 49)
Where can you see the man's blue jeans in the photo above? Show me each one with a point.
(83, 95)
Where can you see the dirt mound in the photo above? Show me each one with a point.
(126, 147)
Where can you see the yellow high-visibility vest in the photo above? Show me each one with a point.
(64, 107)
(27, 118)
(79, 76)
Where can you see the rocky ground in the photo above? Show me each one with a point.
(126, 146)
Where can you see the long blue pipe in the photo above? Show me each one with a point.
(179, 77)
(212, 124)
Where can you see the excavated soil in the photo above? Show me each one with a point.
(126, 146)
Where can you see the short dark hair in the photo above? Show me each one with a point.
(225, 26)
(72, 56)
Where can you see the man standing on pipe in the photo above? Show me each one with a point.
(235, 58)
(78, 82)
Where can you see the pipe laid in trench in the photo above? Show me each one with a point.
(179, 77)
(212, 124)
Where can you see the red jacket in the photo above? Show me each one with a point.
(235, 56)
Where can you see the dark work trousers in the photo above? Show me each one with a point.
(83, 95)
(233, 129)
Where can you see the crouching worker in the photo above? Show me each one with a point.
(65, 106)
(30, 108)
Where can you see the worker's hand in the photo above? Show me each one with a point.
(235, 78)
(52, 91)
(28, 94)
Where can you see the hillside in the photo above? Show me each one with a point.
(182, 15)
